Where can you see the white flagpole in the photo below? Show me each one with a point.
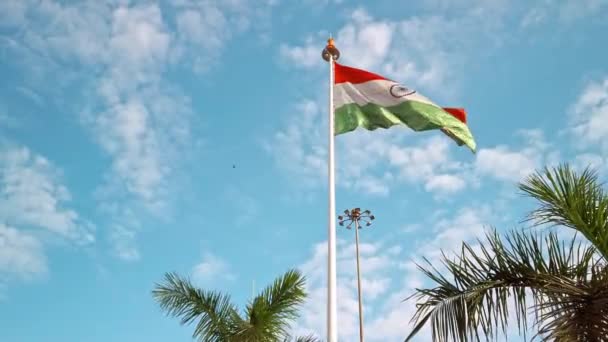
(330, 54)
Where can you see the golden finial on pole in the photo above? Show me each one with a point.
(330, 50)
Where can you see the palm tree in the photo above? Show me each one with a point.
(267, 318)
(566, 283)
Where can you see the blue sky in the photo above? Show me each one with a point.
(120, 123)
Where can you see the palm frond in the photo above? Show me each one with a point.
(179, 298)
(483, 282)
(570, 199)
(271, 313)
(581, 308)
(308, 338)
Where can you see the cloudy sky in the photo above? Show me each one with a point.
(140, 137)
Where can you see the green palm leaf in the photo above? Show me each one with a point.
(309, 338)
(572, 200)
(566, 282)
(272, 311)
(267, 318)
(179, 298)
(476, 300)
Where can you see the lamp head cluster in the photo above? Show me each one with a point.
(356, 215)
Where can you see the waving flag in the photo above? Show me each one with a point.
(364, 99)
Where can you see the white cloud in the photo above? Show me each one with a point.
(590, 115)
(141, 122)
(428, 162)
(533, 17)
(364, 40)
(400, 48)
(120, 52)
(298, 148)
(21, 254)
(144, 125)
(565, 11)
(411, 228)
(84, 31)
(467, 224)
(578, 9)
(75, 33)
(306, 56)
(139, 37)
(506, 164)
(122, 230)
(34, 212)
(127, 131)
(592, 160)
(123, 242)
(393, 322)
(205, 28)
(31, 195)
(372, 186)
(448, 183)
(210, 25)
(475, 6)
(211, 268)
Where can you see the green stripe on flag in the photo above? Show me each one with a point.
(416, 115)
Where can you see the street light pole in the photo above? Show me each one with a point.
(353, 217)
(359, 282)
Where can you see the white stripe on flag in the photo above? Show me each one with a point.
(376, 91)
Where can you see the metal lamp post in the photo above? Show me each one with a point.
(355, 216)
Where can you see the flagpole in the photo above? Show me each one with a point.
(330, 54)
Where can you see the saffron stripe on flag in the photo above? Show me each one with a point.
(345, 74)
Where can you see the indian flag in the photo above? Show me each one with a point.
(364, 99)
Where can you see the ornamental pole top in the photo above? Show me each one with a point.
(330, 50)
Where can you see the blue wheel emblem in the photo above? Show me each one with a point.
(397, 90)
